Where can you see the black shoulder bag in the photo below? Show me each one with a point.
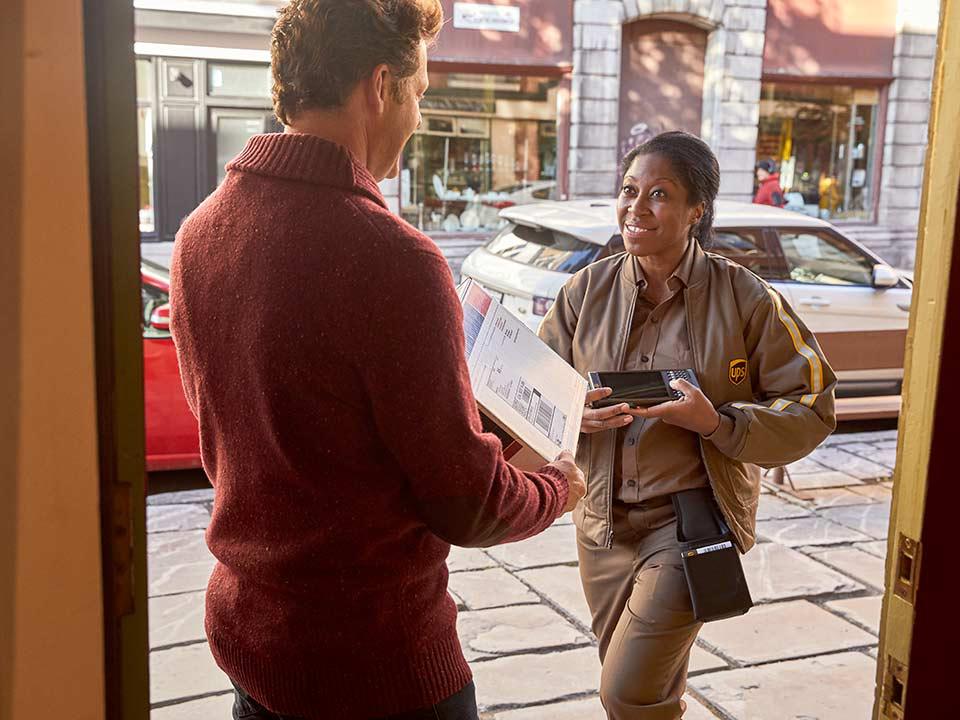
(711, 561)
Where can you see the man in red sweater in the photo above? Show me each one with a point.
(321, 346)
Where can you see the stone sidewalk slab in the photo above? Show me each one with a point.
(561, 584)
(875, 547)
(588, 709)
(882, 456)
(177, 562)
(824, 479)
(184, 672)
(218, 707)
(775, 572)
(864, 611)
(837, 497)
(804, 466)
(169, 518)
(860, 565)
(836, 458)
(872, 520)
(468, 559)
(495, 587)
(704, 661)
(783, 631)
(808, 531)
(554, 546)
(872, 436)
(533, 679)
(772, 507)
(176, 619)
(876, 493)
(515, 629)
(182, 497)
(830, 687)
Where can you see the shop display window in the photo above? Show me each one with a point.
(487, 142)
(823, 139)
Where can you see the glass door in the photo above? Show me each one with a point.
(230, 128)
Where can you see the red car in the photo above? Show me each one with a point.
(173, 439)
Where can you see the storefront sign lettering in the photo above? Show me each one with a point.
(469, 16)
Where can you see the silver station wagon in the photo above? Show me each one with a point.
(855, 303)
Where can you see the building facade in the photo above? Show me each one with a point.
(537, 99)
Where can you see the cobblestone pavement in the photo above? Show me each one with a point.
(807, 650)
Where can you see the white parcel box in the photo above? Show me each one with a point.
(521, 385)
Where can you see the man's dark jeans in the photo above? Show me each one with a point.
(459, 706)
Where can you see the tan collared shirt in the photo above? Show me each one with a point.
(657, 459)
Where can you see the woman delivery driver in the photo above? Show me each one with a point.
(767, 400)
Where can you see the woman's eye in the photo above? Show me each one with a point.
(626, 190)
(658, 194)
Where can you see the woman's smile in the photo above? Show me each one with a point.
(636, 231)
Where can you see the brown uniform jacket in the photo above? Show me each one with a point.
(755, 359)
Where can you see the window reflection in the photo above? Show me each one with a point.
(822, 138)
(487, 142)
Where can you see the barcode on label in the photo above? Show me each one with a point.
(545, 412)
(522, 402)
(711, 548)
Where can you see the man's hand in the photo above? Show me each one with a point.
(606, 418)
(693, 411)
(578, 486)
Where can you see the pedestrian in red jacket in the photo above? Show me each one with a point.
(769, 192)
(321, 346)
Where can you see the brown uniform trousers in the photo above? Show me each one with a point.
(642, 615)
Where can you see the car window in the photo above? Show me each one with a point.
(543, 248)
(746, 247)
(824, 259)
(151, 298)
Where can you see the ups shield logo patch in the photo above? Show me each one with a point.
(738, 371)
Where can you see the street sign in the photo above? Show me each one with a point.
(468, 16)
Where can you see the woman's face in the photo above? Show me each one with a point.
(653, 210)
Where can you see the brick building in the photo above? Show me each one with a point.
(533, 99)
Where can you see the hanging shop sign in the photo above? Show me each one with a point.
(468, 16)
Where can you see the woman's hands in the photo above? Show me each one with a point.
(607, 418)
(692, 412)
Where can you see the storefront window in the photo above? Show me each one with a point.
(145, 143)
(487, 142)
(823, 139)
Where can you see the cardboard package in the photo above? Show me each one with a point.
(527, 394)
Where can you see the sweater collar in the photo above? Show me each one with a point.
(306, 158)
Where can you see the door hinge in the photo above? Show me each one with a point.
(122, 551)
(893, 693)
(907, 569)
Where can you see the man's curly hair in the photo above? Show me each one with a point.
(320, 49)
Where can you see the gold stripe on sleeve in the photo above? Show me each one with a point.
(813, 360)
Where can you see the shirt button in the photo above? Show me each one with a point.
(644, 358)
(631, 483)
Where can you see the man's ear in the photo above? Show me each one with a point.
(378, 84)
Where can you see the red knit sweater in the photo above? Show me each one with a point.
(321, 346)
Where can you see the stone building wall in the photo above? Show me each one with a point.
(731, 104)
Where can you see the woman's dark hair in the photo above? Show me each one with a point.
(696, 167)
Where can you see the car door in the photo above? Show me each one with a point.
(861, 328)
(172, 435)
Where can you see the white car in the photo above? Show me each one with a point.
(857, 305)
